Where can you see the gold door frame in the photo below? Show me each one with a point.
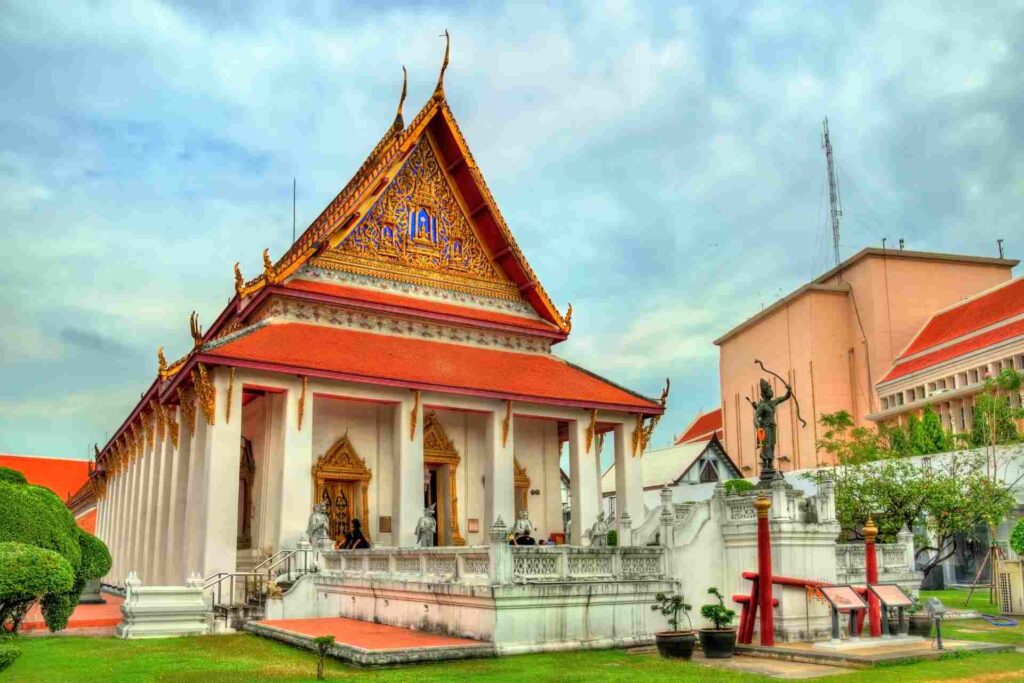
(438, 449)
(342, 463)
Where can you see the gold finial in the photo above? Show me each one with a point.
(439, 90)
(870, 530)
(96, 450)
(762, 504)
(239, 280)
(568, 320)
(195, 329)
(161, 362)
(664, 394)
(268, 268)
(399, 123)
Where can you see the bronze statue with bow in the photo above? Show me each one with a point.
(765, 425)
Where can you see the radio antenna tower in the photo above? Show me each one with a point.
(833, 192)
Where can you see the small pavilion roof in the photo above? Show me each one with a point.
(983, 320)
(424, 364)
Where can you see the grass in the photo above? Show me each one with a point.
(248, 658)
(954, 599)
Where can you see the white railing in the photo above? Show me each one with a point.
(895, 561)
(569, 563)
(469, 564)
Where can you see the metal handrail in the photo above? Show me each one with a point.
(259, 578)
(219, 578)
(270, 559)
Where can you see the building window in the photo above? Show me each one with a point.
(708, 473)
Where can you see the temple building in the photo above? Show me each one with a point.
(949, 359)
(398, 356)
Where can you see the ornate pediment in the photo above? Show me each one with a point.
(417, 231)
(437, 447)
(521, 478)
(342, 462)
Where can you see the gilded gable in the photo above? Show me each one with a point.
(417, 231)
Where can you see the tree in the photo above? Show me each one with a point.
(849, 445)
(993, 413)
(934, 437)
(323, 644)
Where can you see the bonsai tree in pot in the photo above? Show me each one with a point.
(718, 642)
(674, 644)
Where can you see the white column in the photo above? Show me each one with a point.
(161, 571)
(407, 497)
(143, 509)
(177, 557)
(220, 543)
(134, 501)
(116, 528)
(294, 494)
(152, 507)
(195, 528)
(629, 485)
(499, 470)
(584, 484)
(272, 465)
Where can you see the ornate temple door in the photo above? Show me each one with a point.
(246, 476)
(341, 480)
(522, 488)
(441, 457)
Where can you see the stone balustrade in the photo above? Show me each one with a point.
(570, 563)
(895, 562)
(468, 565)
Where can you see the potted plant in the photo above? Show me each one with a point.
(718, 642)
(919, 623)
(674, 644)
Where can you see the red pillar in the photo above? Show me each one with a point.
(871, 573)
(764, 570)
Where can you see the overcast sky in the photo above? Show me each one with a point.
(661, 165)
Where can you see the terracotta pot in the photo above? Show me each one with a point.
(675, 644)
(718, 643)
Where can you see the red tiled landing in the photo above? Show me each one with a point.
(366, 635)
(368, 644)
(107, 615)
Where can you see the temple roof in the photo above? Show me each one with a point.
(60, 475)
(413, 363)
(666, 466)
(988, 318)
(703, 427)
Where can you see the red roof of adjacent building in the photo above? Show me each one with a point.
(419, 363)
(392, 301)
(87, 522)
(61, 476)
(969, 326)
(703, 427)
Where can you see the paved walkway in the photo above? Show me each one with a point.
(367, 635)
(105, 616)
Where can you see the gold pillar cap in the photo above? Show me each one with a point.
(762, 504)
(870, 530)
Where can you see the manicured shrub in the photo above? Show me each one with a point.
(28, 573)
(1017, 538)
(12, 476)
(8, 653)
(95, 556)
(737, 486)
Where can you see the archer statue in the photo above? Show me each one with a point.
(765, 425)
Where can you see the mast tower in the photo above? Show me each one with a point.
(836, 209)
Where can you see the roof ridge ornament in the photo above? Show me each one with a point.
(439, 90)
(195, 329)
(399, 123)
(567, 318)
(239, 280)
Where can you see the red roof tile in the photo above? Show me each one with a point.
(980, 341)
(61, 476)
(703, 426)
(87, 522)
(378, 358)
(972, 315)
(388, 299)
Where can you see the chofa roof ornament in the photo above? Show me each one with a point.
(399, 123)
(439, 90)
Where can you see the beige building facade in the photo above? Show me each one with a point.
(835, 338)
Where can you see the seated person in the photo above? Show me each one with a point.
(523, 539)
(354, 539)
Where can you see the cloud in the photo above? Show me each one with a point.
(660, 164)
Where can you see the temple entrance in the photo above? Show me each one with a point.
(430, 491)
(341, 481)
(440, 465)
(522, 488)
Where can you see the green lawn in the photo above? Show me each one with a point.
(954, 599)
(248, 658)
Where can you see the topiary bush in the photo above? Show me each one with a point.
(28, 573)
(12, 476)
(8, 653)
(36, 516)
(1017, 538)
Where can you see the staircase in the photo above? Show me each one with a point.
(241, 596)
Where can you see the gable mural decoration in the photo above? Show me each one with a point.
(417, 232)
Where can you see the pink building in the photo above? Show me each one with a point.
(948, 360)
(835, 338)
